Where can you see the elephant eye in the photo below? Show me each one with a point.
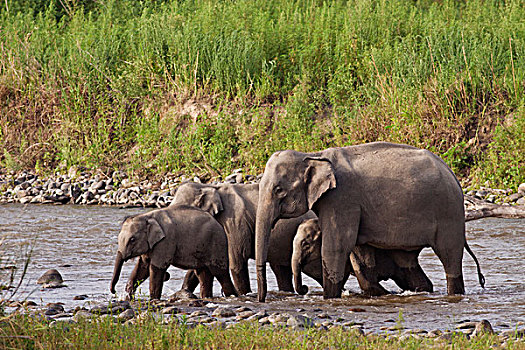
(279, 192)
(132, 239)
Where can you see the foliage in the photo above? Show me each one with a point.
(29, 333)
(209, 86)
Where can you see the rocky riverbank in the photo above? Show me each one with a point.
(224, 313)
(87, 188)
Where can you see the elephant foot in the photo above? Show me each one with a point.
(455, 285)
(332, 290)
(375, 291)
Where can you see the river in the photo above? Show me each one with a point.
(81, 243)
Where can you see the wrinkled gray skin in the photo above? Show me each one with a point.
(182, 236)
(385, 195)
(372, 264)
(234, 206)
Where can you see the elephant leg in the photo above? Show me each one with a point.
(191, 281)
(241, 278)
(413, 279)
(404, 269)
(364, 265)
(284, 277)
(156, 281)
(139, 274)
(223, 276)
(339, 227)
(206, 281)
(451, 255)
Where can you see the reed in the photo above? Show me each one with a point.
(208, 86)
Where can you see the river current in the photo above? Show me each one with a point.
(81, 243)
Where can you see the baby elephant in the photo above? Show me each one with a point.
(182, 236)
(369, 264)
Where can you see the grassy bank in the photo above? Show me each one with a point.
(209, 86)
(27, 333)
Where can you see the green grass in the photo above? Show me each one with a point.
(23, 332)
(209, 86)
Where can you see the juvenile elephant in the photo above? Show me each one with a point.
(373, 264)
(234, 206)
(385, 195)
(182, 236)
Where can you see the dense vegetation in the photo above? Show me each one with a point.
(206, 86)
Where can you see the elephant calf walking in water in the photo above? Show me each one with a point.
(370, 265)
(182, 236)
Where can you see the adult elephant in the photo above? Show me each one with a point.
(234, 206)
(387, 195)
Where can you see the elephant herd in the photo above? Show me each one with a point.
(365, 210)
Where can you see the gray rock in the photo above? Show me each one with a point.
(113, 307)
(483, 327)
(80, 297)
(25, 185)
(264, 320)
(521, 201)
(54, 309)
(223, 312)
(300, 321)
(278, 318)
(126, 315)
(521, 188)
(244, 315)
(20, 193)
(170, 310)
(466, 325)
(53, 285)
(182, 295)
(198, 313)
(50, 276)
(26, 199)
(259, 315)
(514, 197)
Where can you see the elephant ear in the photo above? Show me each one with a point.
(209, 200)
(155, 233)
(319, 178)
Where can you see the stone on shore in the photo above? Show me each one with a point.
(50, 277)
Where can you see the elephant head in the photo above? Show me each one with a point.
(291, 184)
(306, 250)
(138, 235)
(198, 195)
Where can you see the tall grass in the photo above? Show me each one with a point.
(26, 332)
(208, 86)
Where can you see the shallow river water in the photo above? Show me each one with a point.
(81, 243)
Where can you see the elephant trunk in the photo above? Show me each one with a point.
(266, 217)
(296, 269)
(119, 261)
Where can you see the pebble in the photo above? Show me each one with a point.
(223, 312)
(50, 277)
(300, 321)
(244, 315)
(482, 327)
(126, 315)
(170, 310)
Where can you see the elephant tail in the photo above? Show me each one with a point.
(480, 275)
